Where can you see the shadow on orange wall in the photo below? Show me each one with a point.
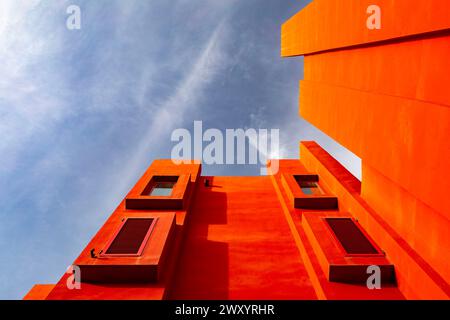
(202, 271)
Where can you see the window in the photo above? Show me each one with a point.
(162, 189)
(131, 238)
(161, 186)
(310, 188)
(309, 185)
(351, 237)
(160, 192)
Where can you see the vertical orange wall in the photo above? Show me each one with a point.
(384, 95)
(416, 278)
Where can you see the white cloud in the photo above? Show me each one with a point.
(27, 105)
(185, 97)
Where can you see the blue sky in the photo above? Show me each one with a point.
(83, 113)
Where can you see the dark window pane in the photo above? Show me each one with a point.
(308, 186)
(130, 237)
(350, 236)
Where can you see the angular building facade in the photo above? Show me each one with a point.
(311, 230)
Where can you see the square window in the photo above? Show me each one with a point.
(161, 192)
(305, 192)
(162, 189)
(160, 186)
(308, 186)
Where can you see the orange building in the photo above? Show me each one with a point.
(311, 230)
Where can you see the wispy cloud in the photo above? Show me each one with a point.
(28, 103)
(185, 97)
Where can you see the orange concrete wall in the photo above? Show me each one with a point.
(416, 69)
(424, 228)
(404, 139)
(239, 238)
(335, 178)
(384, 95)
(417, 279)
(238, 245)
(235, 244)
(332, 24)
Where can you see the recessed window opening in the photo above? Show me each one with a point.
(162, 189)
(131, 237)
(309, 185)
(161, 186)
(351, 237)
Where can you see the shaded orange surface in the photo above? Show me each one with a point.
(424, 228)
(404, 150)
(417, 279)
(383, 94)
(417, 69)
(243, 239)
(332, 24)
(312, 255)
(234, 242)
(405, 139)
(238, 246)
